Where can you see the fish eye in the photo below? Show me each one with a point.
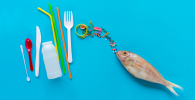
(125, 53)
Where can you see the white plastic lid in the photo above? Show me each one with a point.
(45, 43)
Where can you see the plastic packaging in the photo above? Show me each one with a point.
(50, 58)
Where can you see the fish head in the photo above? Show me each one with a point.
(125, 57)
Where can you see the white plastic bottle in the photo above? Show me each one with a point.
(50, 58)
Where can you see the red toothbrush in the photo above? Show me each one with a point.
(28, 45)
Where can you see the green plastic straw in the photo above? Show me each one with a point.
(58, 42)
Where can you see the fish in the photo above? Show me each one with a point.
(142, 69)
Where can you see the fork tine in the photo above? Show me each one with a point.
(64, 17)
(71, 17)
(67, 16)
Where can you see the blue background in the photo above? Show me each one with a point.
(161, 31)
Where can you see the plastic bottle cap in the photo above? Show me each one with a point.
(49, 42)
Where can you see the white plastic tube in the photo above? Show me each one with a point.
(50, 58)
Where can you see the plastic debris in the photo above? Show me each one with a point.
(104, 30)
(85, 31)
(114, 50)
(96, 31)
(82, 27)
(91, 26)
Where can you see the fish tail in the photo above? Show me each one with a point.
(170, 87)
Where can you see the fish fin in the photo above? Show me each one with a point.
(170, 87)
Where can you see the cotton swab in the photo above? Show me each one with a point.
(28, 78)
(64, 43)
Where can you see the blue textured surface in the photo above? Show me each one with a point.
(162, 32)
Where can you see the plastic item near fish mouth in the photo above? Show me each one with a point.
(96, 31)
(85, 34)
(82, 27)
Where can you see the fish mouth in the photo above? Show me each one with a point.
(117, 54)
(120, 56)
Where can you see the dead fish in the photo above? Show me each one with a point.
(140, 68)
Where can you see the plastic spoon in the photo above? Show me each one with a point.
(28, 45)
(28, 78)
